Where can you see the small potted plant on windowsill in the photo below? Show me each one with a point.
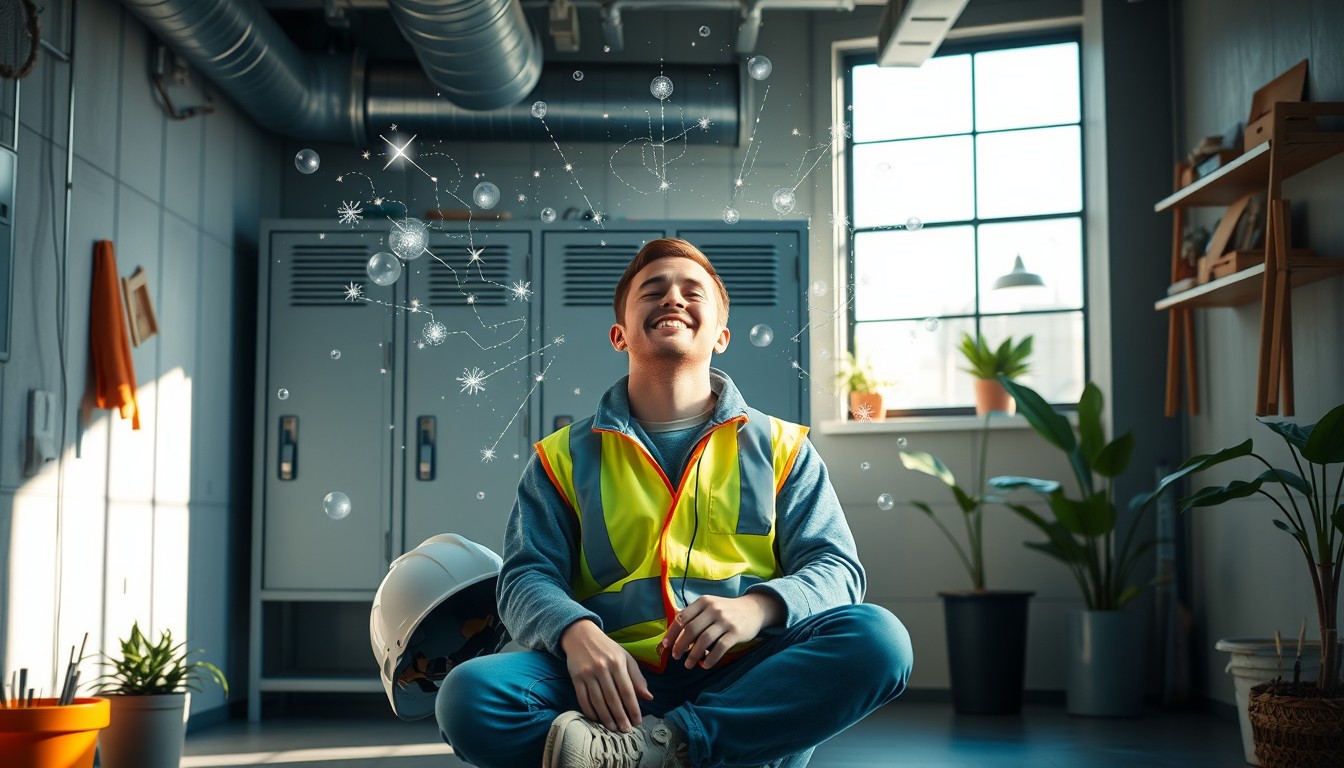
(859, 378)
(987, 365)
(986, 629)
(147, 687)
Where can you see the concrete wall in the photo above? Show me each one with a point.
(1249, 578)
(129, 525)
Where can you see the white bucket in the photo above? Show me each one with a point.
(1256, 661)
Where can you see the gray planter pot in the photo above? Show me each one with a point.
(144, 732)
(1107, 663)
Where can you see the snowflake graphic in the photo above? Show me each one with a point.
(354, 292)
(487, 454)
(350, 213)
(840, 130)
(864, 412)
(473, 380)
(434, 332)
(558, 340)
(521, 290)
(471, 298)
(704, 123)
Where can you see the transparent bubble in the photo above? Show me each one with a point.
(408, 238)
(914, 223)
(485, 195)
(661, 87)
(762, 335)
(704, 31)
(307, 161)
(731, 216)
(578, 75)
(885, 502)
(883, 169)
(784, 199)
(538, 109)
(759, 67)
(865, 466)
(383, 268)
(901, 442)
(819, 287)
(930, 324)
(480, 495)
(548, 215)
(336, 505)
(335, 354)
(282, 393)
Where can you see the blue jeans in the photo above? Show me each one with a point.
(771, 706)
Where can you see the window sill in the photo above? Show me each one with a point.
(907, 424)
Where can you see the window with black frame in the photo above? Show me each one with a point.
(958, 169)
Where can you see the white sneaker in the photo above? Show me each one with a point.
(575, 741)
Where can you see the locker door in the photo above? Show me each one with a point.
(764, 274)
(331, 432)
(580, 275)
(450, 487)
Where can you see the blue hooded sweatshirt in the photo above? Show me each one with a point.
(813, 543)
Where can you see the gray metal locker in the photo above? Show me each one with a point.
(449, 487)
(330, 433)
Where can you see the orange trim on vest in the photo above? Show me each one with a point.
(546, 465)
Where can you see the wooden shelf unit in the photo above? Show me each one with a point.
(1298, 142)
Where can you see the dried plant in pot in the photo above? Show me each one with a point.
(1296, 723)
(147, 684)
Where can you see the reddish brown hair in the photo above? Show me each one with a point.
(666, 248)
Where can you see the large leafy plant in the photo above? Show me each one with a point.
(1316, 523)
(1005, 360)
(971, 505)
(1081, 529)
(146, 668)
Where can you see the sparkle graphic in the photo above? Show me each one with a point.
(394, 127)
(487, 454)
(522, 291)
(400, 152)
(365, 154)
(340, 178)
(569, 166)
(536, 174)
(704, 123)
(354, 292)
(475, 254)
(795, 132)
(473, 380)
(522, 198)
(349, 213)
(415, 305)
(471, 298)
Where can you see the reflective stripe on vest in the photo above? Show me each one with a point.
(634, 571)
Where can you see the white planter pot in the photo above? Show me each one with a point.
(145, 731)
(1254, 662)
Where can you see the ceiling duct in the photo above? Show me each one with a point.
(239, 47)
(911, 30)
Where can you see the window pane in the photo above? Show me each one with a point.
(1023, 173)
(925, 273)
(1056, 362)
(1051, 248)
(1022, 87)
(920, 365)
(930, 179)
(907, 102)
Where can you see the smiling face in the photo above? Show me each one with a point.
(672, 313)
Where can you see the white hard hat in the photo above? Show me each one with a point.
(435, 609)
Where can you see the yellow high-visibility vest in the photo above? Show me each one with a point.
(637, 565)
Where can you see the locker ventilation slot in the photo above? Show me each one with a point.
(592, 271)
(749, 272)
(488, 280)
(319, 274)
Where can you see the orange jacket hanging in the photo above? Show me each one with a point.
(113, 371)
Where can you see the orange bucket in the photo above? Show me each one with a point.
(48, 736)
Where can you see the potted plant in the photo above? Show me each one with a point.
(1300, 722)
(865, 402)
(986, 629)
(987, 365)
(1106, 643)
(147, 686)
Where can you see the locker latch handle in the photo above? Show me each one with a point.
(425, 438)
(289, 447)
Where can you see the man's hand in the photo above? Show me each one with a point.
(711, 625)
(606, 677)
